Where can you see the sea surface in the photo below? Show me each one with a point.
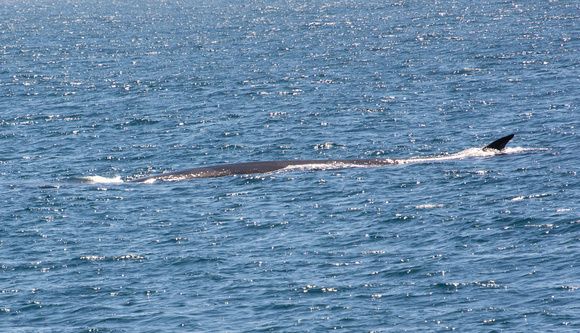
(94, 93)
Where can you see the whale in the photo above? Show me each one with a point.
(248, 168)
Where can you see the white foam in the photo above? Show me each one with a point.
(468, 153)
(515, 150)
(101, 180)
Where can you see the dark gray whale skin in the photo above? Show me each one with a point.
(255, 167)
(270, 166)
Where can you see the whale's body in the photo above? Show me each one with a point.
(259, 167)
(271, 166)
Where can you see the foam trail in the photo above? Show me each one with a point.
(468, 153)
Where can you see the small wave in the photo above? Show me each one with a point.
(520, 198)
(128, 256)
(100, 180)
(427, 206)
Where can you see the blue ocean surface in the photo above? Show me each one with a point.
(94, 93)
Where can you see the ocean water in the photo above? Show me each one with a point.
(95, 93)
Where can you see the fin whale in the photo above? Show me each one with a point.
(270, 166)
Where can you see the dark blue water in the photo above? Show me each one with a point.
(114, 90)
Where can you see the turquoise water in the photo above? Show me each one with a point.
(95, 93)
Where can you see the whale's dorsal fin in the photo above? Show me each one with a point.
(499, 144)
